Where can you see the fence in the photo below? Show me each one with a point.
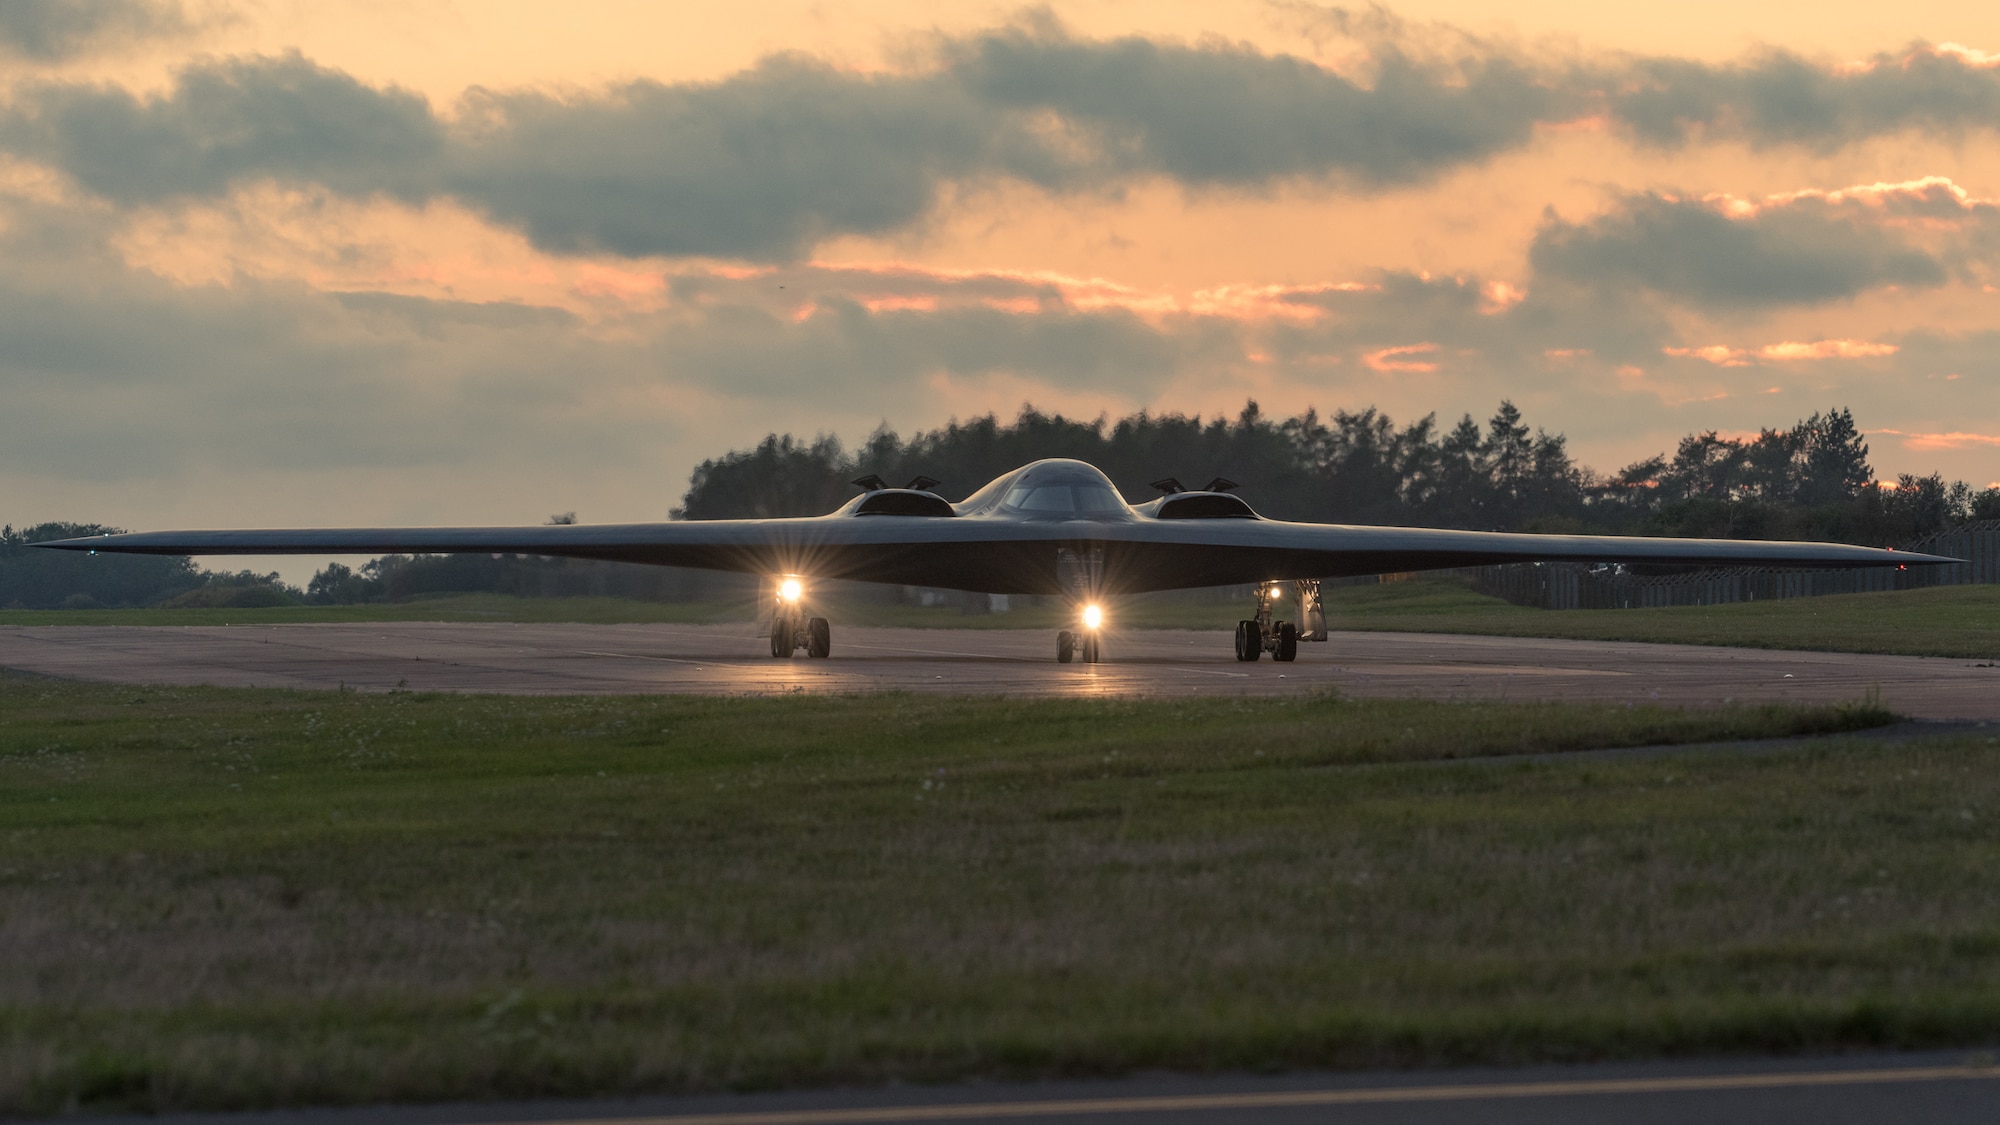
(1585, 586)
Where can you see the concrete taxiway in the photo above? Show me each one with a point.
(735, 660)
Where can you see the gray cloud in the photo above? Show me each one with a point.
(1782, 98)
(771, 161)
(55, 30)
(844, 350)
(233, 121)
(762, 165)
(113, 374)
(1225, 115)
(1690, 252)
(122, 384)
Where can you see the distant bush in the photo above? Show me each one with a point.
(232, 597)
(399, 577)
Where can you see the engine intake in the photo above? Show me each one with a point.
(1203, 506)
(903, 502)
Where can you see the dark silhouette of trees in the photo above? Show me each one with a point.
(1812, 480)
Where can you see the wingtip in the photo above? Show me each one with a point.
(87, 543)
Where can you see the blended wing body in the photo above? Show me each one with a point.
(1007, 539)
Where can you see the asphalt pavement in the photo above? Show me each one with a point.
(735, 660)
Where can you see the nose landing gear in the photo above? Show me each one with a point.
(1082, 643)
(1082, 572)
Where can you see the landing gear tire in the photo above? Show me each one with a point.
(1288, 642)
(1090, 649)
(819, 638)
(1249, 641)
(781, 637)
(1065, 647)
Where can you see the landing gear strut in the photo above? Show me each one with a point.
(793, 628)
(1082, 572)
(1260, 634)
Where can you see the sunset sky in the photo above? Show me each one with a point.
(424, 262)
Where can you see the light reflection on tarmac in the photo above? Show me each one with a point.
(734, 660)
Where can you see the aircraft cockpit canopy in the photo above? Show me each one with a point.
(1064, 490)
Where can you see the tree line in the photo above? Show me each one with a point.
(1811, 480)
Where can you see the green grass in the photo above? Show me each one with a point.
(1959, 621)
(216, 899)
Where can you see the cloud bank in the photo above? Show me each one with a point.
(771, 162)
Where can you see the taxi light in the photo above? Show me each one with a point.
(1093, 616)
(790, 589)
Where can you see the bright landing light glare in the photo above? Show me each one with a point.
(790, 589)
(1093, 616)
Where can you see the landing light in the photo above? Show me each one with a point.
(1093, 616)
(790, 589)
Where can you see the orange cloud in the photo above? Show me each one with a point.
(902, 303)
(1387, 360)
(1723, 355)
(1827, 349)
(1718, 354)
(1970, 56)
(1937, 191)
(1084, 294)
(1953, 440)
(1267, 302)
(1498, 296)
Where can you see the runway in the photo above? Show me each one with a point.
(540, 659)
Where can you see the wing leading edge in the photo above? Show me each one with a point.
(994, 554)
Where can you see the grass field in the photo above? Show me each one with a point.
(1961, 621)
(217, 898)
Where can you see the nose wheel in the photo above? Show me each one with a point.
(1081, 572)
(1083, 644)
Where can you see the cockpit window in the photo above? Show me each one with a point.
(1065, 499)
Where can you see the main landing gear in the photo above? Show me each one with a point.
(792, 628)
(1260, 634)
